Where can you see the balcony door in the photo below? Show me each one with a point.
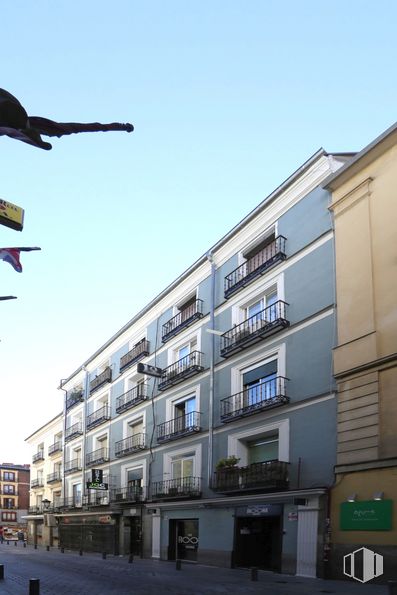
(260, 384)
(184, 414)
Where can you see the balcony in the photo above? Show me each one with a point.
(139, 351)
(98, 417)
(180, 370)
(41, 508)
(130, 445)
(173, 489)
(72, 466)
(179, 427)
(96, 498)
(269, 476)
(96, 457)
(70, 503)
(36, 483)
(265, 323)
(73, 431)
(54, 448)
(54, 477)
(39, 456)
(101, 379)
(183, 319)
(266, 258)
(129, 494)
(74, 398)
(131, 398)
(264, 395)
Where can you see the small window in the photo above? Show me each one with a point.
(135, 427)
(134, 478)
(260, 253)
(185, 413)
(8, 502)
(182, 467)
(262, 450)
(260, 383)
(9, 489)
(9, 476)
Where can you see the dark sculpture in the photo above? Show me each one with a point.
(15, 123)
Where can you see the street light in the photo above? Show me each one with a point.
(46, 503)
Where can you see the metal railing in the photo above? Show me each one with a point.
(72, 466)
(179, 427)
(128, 494)
(183, 487)
(53, 477)
(271, 475)
(132, 397)
(37, 483)
(139, 350)
(56, 447)
(98, 417)
(74, 398)
(101, 455)
(255, 328)
(105, 376)
(183, 319)
(39, 456)
(73, 431)
(255, 266)
(264, 395)
(184, 368)
(130, 444)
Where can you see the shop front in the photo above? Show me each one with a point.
(90, 532)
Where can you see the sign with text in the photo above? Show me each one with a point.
(11, 215)
(149, 370)
(96, 482)
(369, 515)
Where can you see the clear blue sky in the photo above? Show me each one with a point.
(227, 98)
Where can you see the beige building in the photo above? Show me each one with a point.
(363, 499)
(46, 482)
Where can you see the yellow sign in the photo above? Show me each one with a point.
(11, 215)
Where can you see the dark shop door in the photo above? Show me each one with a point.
(258, 542)
(183, 539)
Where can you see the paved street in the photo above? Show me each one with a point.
(71, 574)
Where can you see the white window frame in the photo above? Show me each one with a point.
(256, 241)
(131, 420)
(133, 378)
(236, 447)
(258, 293)
(172, 355)
(237, 372)
(187, 297)
(139, 464)
(195, 450)
(170, 403)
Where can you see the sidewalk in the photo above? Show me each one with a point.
(72, 574)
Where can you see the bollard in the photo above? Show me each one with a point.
(392, 585)
(16, 543)
(178, 564)
(62, 550)
(103, 555)
(47, 548)
(1, 572)
(34, 586)
(80, 552)
(35, 546)
(8, 543)
(24, 544)
(130, 558)
(254, 574)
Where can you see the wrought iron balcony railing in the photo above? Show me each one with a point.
(97, 498)
(267, 322)
(41, 508)
(182, 369)
(37, 483)
(253, 399)
(98, 417)
(102, 378)
(128, 494)
(139, 350)
(179, 427)
(54, 477)
(129, 445)
(73, 431)
(39, 456)
(101, 455)
(183, 319)
(255, 266)
(72, 466)
(131, 398)
(54, 448)
(75, 397)
(183, 487)
(70, 503)
(265, 476)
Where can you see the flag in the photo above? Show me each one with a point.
(11, 255)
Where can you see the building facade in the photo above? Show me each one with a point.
(14, 498)
(364, 497)
(46, 482)
(223, 451)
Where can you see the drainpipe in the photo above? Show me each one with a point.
(212, 365)
(64, 442)
(86, 395)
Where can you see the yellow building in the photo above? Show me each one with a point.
(364, 496)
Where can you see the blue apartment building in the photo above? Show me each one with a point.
(227, 455)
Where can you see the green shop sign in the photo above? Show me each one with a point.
(370, 515)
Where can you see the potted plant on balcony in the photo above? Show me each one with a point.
(227, 463)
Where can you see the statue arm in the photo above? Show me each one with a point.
(51, 128)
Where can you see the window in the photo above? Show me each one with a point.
(9, 476)
(8, 502)
(263, 309)
(76, 489)
(188, 308)
(134, 480)
(135, 427)
(264, 449)
(260, 253)
(8, 516)
(184, 413)
(8, 489)
(182, 467)
(260, 384)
